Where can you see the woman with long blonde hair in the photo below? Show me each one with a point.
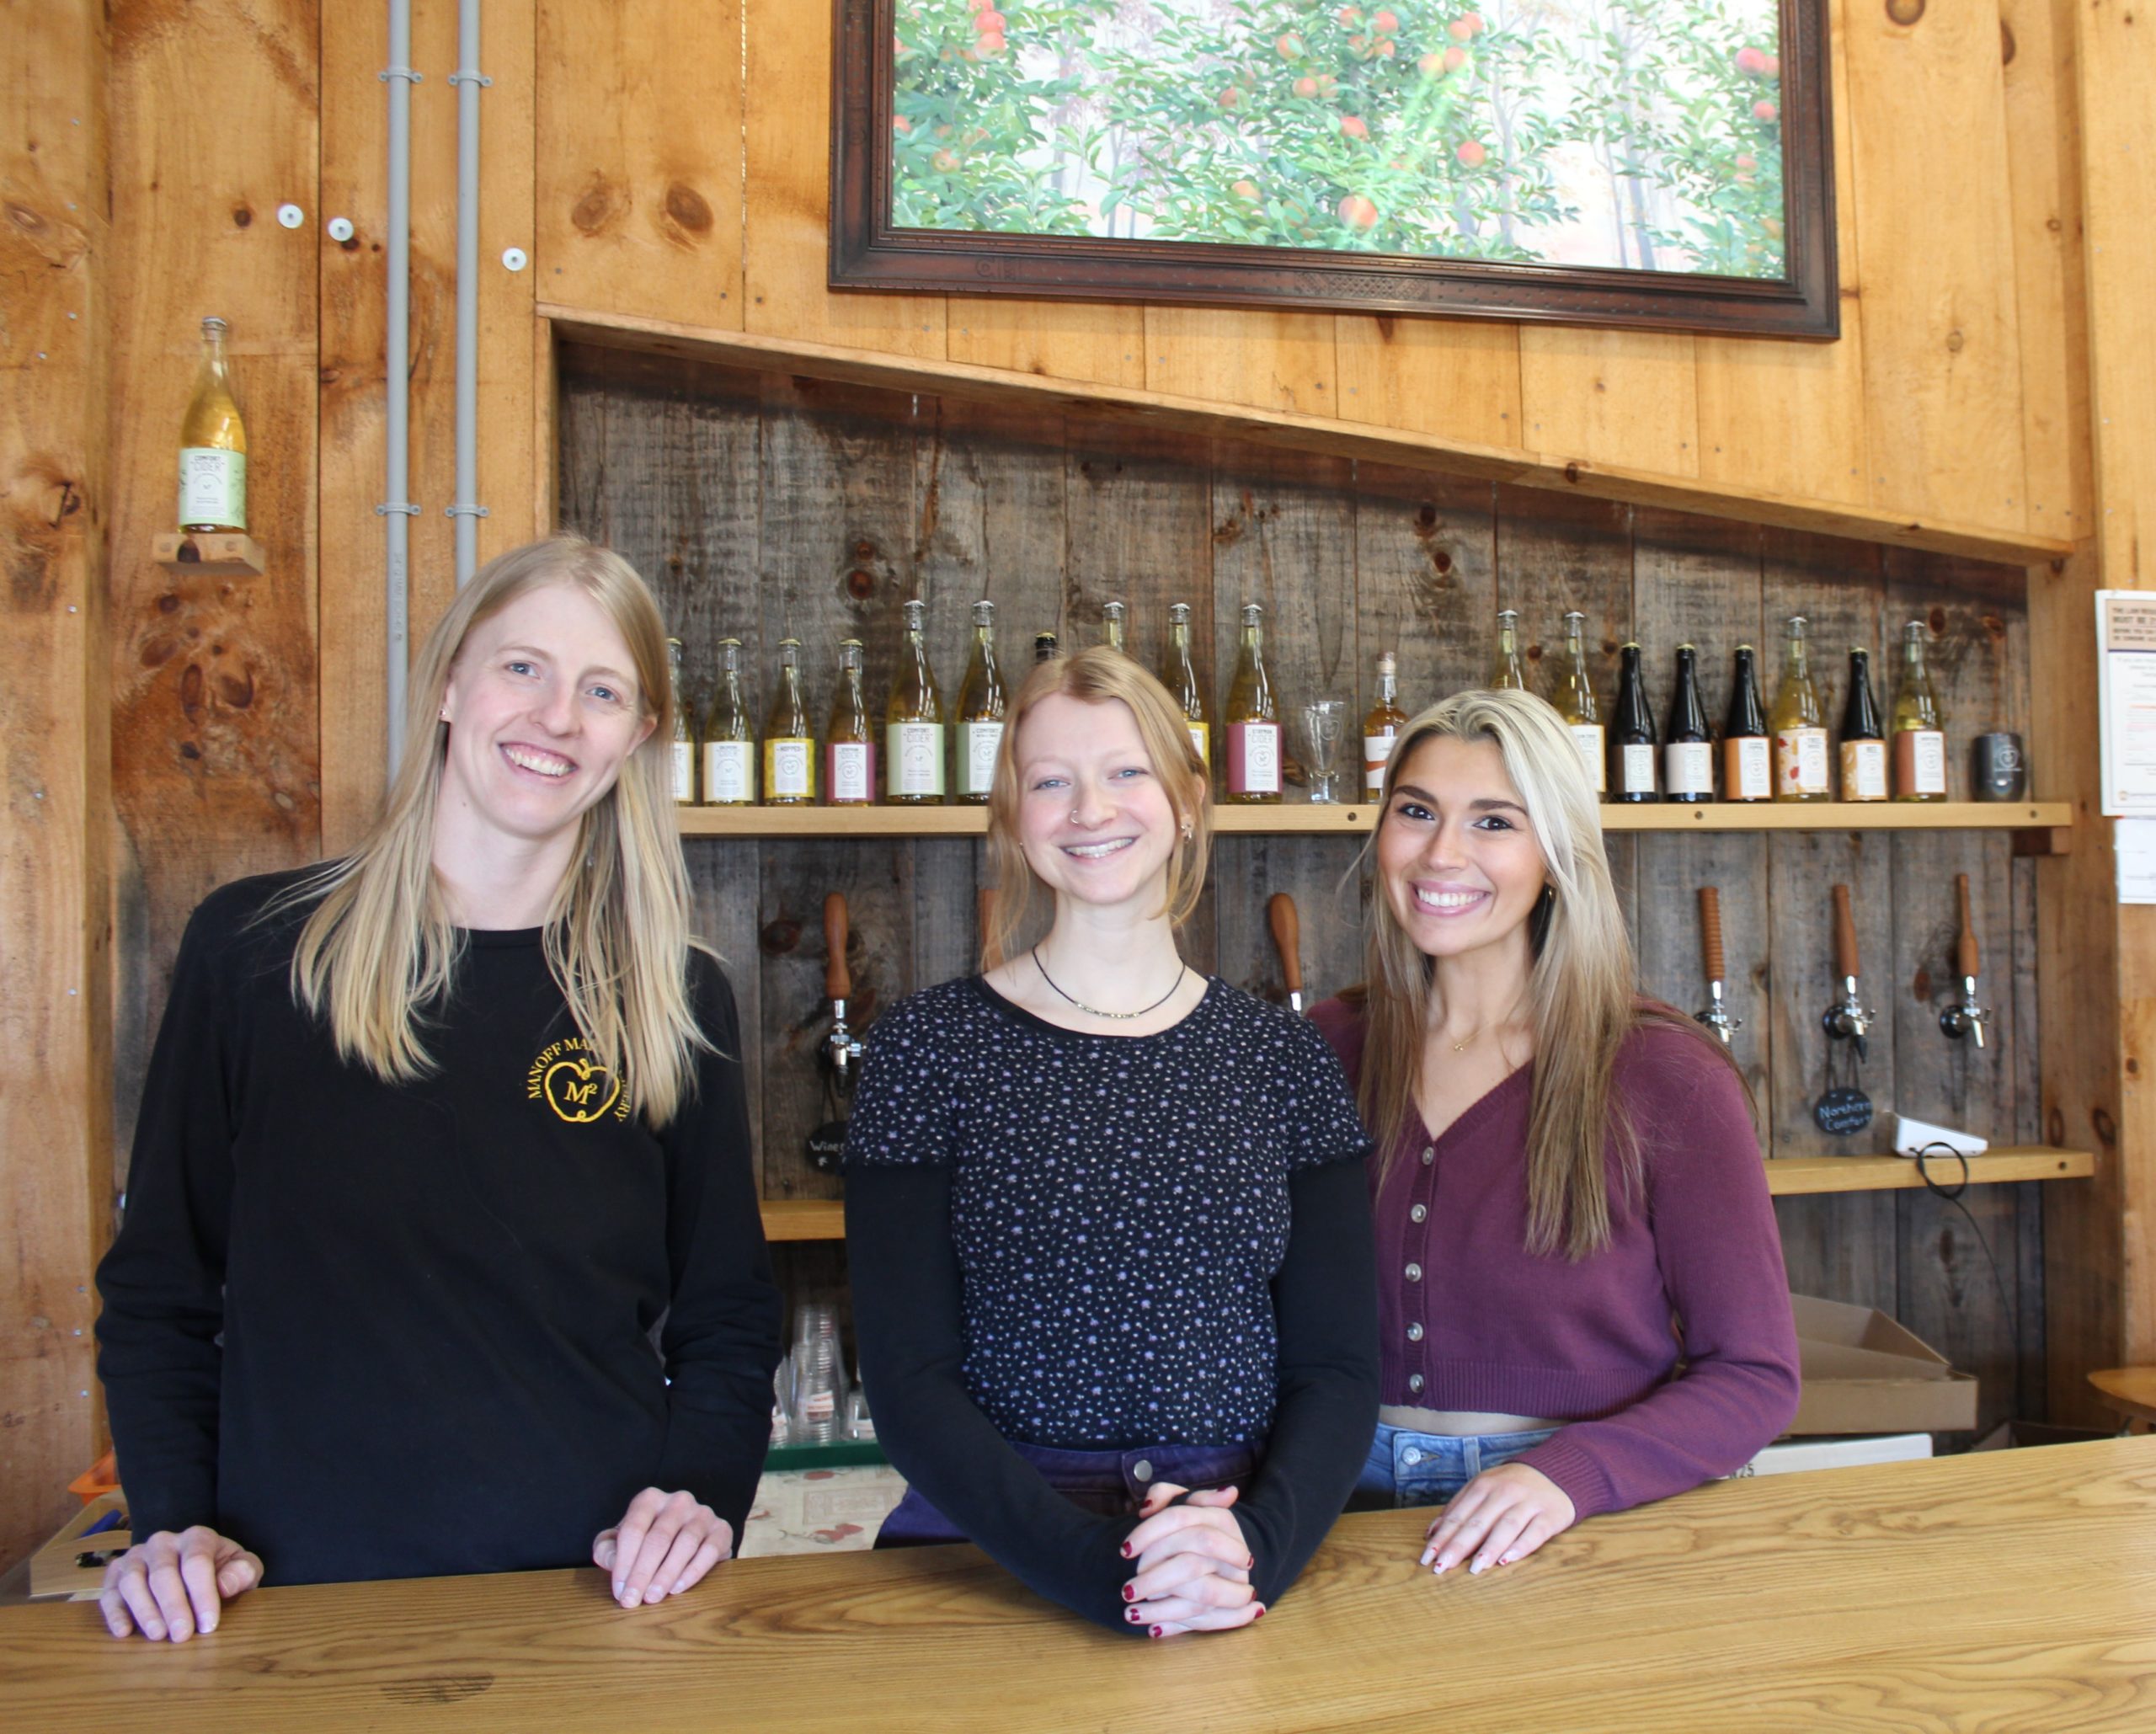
(434, 1135)
(1563, 1167)
(1106, 1215)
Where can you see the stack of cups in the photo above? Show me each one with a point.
(820, 1379)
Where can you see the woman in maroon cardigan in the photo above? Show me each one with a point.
(1569, 1196)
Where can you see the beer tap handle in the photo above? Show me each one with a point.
(1711, 933)
(1287, 939)
(838, 980)
(1965, 946)
(1845, 956)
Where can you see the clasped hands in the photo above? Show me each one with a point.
(1193, 1566)
(172, 1585)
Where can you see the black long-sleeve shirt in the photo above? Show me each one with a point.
(380, 1331)
(1107, 1243)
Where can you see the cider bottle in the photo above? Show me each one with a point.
(1799, 725)
(213, 444)
(1920, 736)
(729, 739)
(1381, 728)
(1688, 751)
(1112, 624)
(1507, 672)
(980, 710)
(913, 723)
(1253, 724)
(1864, 749)
(1180, 677)
(849, 740)
(1045, 647)
(1748, 750)
(1576, 704)
(681, 755)
(789, 740)
(1632, 736)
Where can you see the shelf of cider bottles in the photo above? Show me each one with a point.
(926, 767)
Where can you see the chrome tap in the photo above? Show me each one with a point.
(1848, 1018)
(1966, 1017)
(841, 1051)
(1717, 1017)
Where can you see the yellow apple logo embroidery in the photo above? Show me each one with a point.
(577, 1087)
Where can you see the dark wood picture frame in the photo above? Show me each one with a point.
(868, 252)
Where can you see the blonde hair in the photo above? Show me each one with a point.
(1098, 676)
(1583, 984)
(379, 947)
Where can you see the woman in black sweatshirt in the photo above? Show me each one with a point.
(433, 1137)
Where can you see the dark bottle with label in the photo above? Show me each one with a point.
(1631, 734)
(1688, 751)
(1748, 748)
(1045, 647)
(1863, 742)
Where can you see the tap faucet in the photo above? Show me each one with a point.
(841, 1051)
(1965, 1016)
(1288, 939)
(1848, 1019)
(1717, 1015)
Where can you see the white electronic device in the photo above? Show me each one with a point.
(1914, 1137)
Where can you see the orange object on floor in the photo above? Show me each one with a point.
(100, 1477)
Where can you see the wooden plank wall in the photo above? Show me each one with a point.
(765, 506)
(56, 814)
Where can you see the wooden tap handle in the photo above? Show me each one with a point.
(838, 980)
(1964, 946)
(1711, 933)
(1845, 962)
(985, 905)
(1288, 937)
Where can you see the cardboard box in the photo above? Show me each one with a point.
(72, 1563)
(1794, 1457)
(1864, 1373)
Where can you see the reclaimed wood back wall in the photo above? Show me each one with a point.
(762, 506)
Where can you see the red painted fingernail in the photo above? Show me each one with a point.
(1126, 1549)
(1154, 1633)
(1130, 1592)
(1257, 1616)
(1132, 1616)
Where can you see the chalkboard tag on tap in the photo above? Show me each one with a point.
(1842, 1113)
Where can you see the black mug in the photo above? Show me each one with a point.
(1997, 769)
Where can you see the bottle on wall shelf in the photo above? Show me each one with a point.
(1688, 750)
(1799, 725)
(1631, 735)
(1507, 672)
(980, 710)
(1180, 677)
(789, 740)
(1920, 736)
(1748, 750)
(729, 737)
(849, 738)
(1864, 747)
(682, 752)
(1576, 704)
(1253, 723)
(913, 723)
(1043, 646)
(1382, 727)
(1112, 615)
(213, 444)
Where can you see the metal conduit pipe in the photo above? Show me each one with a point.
(464, 508)
(400, 77)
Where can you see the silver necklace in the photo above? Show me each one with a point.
(1094, 1010)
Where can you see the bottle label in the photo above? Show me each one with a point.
(1747, 768)
(1637, 770)
(1863, 771)
(789, 768)
(1377, 753)
(212, 487)
(1201, 742)
(1688, 770)
(1253, 758)
(729, 772)
(1593, 753)
(913, 752)
(977, 746)
(681, 770)
(1919, 762)
(851, 771)
(1800, 762)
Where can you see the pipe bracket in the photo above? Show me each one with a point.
(389, 72)
(470, 78)
(463, 512)
(384, 511)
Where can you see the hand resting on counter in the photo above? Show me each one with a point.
(664, 1544)
(173, 1585)
(1507, 1513)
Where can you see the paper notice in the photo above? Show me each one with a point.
(2135, 840)
(2126, 645)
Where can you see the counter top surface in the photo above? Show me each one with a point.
(2011, 1589)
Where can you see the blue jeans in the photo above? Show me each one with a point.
(1407, 1468)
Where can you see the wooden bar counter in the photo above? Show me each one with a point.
(2006, 1590)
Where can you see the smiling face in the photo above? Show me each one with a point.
(1093, 819)
(543, 709)
(1460, 867)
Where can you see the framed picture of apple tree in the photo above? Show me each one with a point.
(1662, 163)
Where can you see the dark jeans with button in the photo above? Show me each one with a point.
(1112, 1483)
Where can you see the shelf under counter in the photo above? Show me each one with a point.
(1787, 1176)
(1306, 818)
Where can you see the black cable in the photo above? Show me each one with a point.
(1923, 1156)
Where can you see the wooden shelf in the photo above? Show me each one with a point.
(1792, 1177)
(1302, 818)
(209, 556)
